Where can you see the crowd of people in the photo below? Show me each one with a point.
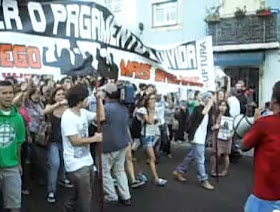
(54, 127)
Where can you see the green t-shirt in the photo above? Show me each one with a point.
(191, 105)
(12, 135)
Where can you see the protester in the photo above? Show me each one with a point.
(221, 147)
(240, 94)
(116, 138)
(45, 94)
(164, 147)
(55, 109)
(18, 101)
(197, 131)
(264, 136)
(192, 101)
(267, 110)
(169, 116)
(13, 135)
(76, 151)
(66, 83)
(181, 114)
(150, 132)
(38, 149)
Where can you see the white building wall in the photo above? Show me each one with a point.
(271, 74)
(228, 7)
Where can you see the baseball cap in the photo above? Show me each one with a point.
(109, 88)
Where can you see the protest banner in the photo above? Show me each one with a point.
(72, 37)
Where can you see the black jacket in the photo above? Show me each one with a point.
(195, 120)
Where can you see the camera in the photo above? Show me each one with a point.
(123, 91)
(127, 92)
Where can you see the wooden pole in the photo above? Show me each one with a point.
(216, 139)
(99, 149)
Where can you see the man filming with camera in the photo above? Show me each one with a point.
(116, 138)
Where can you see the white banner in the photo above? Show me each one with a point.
(81, 38)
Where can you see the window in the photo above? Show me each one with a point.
(115, 6)
(164, 13)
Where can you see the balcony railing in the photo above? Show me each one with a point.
(247, 30)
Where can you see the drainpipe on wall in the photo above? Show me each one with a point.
(261, 73)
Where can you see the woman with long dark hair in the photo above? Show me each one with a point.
(35, 110)
(55, 109)
(150, 133)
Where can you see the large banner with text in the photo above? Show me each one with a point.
(84, 38)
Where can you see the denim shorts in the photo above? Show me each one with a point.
(255, 204)
(10, 184)
(149, 141)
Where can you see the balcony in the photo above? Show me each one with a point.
(251, 32)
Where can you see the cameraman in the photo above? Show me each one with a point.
(115, 142)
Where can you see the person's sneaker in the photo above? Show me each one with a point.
(95, 169)
(205, 184)
(125, 202)
(169, 156)
(142, 178)
(137, 184)
(161, 182)
(25, 192)
(66, 183)
(179, 176)
(51, 198)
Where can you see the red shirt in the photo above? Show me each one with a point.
(265, 137)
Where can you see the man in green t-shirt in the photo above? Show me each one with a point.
(12, 135)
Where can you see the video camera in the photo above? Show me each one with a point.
(127, 93)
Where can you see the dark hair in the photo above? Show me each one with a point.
(267, 105)
(223, 101)
(227, 110)
(64, 79)
(31, 92)
(6, 83)
(52, 96)
(147, 98)
(41, 88)
(142, 85)
(77, 94)
(276, 92)
(196, 93)
(115, 95)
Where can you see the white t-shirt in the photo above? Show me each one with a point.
(201, 132)
(234, 106)
(76, 157)
(151, 129)
(160, 110)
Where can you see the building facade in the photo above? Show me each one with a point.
(245, 33)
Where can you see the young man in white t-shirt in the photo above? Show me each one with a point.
(76, 148)
(197, 132)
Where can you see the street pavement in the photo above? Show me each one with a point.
(230, 193)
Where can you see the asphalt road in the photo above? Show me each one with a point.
(230, 192)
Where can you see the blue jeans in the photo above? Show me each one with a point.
(56, 164)
(255, 204)
(197, 154)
